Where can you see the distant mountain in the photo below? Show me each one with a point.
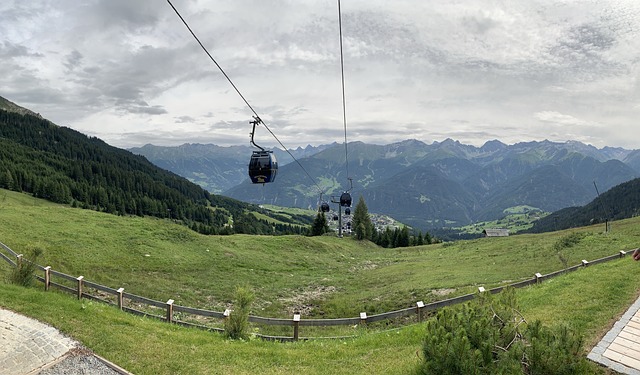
(64, 166)
(447, 183)
(444, 184)
(620, 202)
(215, 168)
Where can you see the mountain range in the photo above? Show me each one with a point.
(428, 186)
(443, 184)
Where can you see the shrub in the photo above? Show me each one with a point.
(490, 336)
(237, 324)
(24, 273)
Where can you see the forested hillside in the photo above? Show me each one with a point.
(64, 166)
(621, 202)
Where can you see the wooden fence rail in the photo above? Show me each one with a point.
(168, 309)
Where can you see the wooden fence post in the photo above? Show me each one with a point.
(585, 263)
(120, 297)
(47, 278)
(19, 260)
(538, 277)
(622, 253)
(419, 306)
(80, 278)
(170, 311)
(481, 289)
(363, 318)
(296, 325)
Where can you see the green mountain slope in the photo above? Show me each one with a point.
(65, 166)
(620, 202)
(472, 184)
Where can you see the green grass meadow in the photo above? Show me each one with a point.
(321, 276)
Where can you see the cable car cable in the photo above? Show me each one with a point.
(257, 117)
(344, 101)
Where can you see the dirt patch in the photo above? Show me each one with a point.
(364, 266)
(302, 301)
(442, 292)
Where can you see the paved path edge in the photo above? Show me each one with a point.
(596, 353)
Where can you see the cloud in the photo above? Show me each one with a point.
(472, 70)
(559, 118)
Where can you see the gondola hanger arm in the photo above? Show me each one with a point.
(256, 121)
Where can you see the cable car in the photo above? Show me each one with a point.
(335, 217)
(263, 167)
(324, 207)
(347, 211)
(345, 199)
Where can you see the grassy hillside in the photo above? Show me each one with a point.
(324, 276)
(330, 277)
(589, 300)
(65, 166)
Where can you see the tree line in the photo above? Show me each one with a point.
(364, 229)
(65, 166)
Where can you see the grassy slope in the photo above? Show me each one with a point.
(112, 250)
(589, 300)
(161, 260)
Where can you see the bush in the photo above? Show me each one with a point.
(490, 336)
(24, 273)
(236, 326)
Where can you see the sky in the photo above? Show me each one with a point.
(130, 73)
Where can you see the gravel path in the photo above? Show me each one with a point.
(79, 363)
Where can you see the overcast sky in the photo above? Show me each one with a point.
(130, 73)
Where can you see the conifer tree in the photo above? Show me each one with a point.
(361, 218)
(319, 226)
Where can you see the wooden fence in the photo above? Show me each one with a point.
(118, 297)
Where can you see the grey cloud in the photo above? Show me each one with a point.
(185, 119)
(142, 108)
(10, 50)
(73, 60)
(426, 69)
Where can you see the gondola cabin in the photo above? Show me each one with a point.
(324, 207)
(263, 167)
(345, 199)
(347, 211)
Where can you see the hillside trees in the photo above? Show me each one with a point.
(398, 237)
(65, 166)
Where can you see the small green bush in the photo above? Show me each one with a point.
(490, 336)
(24, 273)
(568, 241)
(236, 326)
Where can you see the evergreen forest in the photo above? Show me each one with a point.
(65, 166)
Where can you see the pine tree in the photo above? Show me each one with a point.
(319, 226)
(361, 217)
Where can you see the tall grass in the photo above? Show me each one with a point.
(24, 272)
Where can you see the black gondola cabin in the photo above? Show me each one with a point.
(263, 167)
(345, 199)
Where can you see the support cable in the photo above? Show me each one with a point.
(256, 117)
(344, 101)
